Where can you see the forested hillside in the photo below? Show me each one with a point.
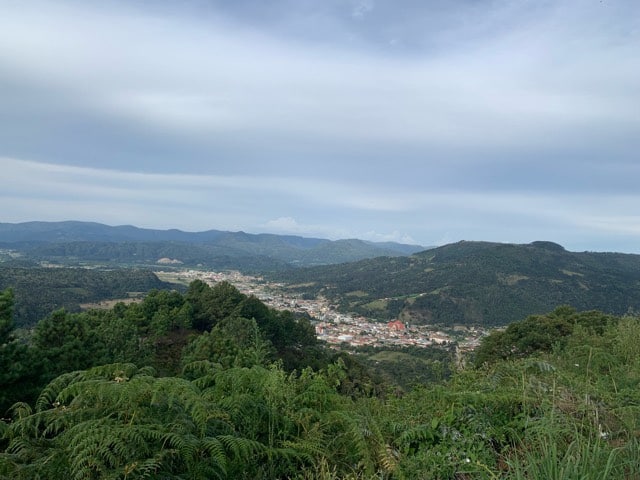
(476, 283)
(215, 323)
(147, 254)
(39, 291)
(81, 242)
(212, 384)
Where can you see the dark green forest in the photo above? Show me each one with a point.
(211, 383)
(38, 291)
(476, 283)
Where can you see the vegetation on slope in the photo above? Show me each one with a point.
(39, 291)
(476, 283)
(231, 408)
(157, 332)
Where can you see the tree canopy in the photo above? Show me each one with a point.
(137, 392)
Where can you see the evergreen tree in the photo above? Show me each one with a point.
(19, 367)
(6, 316)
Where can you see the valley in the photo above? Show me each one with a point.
(450, 362)
(337, 329)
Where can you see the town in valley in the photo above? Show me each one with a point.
(338, 330)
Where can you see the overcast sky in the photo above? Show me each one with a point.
(416, 121)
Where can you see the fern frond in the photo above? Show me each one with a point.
(50, 393)
(20, 410)
(242, 448)
(216, 453)
(185, 445)
(202, 371)
(414, 437)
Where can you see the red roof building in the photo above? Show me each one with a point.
(396, 325)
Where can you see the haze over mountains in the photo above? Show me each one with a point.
(462, 283)
(94, 242)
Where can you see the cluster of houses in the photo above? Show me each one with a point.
(360, 331)
(333, 327)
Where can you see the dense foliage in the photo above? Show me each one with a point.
(213, 384)
(157, 332)
(19, 365)
(476, 283)
(406, 367)
(540, 333)
(39, 291)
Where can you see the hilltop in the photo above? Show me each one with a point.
(476, 283)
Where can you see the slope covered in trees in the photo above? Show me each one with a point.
(215, 323)
(227, 406)
(476, 283)
(39, 291)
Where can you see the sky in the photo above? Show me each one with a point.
(416, 121)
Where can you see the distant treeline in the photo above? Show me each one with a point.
(117, 254)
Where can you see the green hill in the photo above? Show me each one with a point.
(39, 291)
(477, 283)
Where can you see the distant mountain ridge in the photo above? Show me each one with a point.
(477, 283)
(88, 241)
(76, 231)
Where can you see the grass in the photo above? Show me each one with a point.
(582, 459)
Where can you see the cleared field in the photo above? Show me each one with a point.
(108, 304)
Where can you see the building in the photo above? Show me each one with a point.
(396, 326)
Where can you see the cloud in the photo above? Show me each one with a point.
(331, 210)
(182, 75)
(219, 194)
(29, 178)
(628, 224)
(361, 8)
(394, 236)
(288, 225)
(283, 224)
(485, 120)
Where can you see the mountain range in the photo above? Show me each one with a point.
(482, 283)
(72, 241)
